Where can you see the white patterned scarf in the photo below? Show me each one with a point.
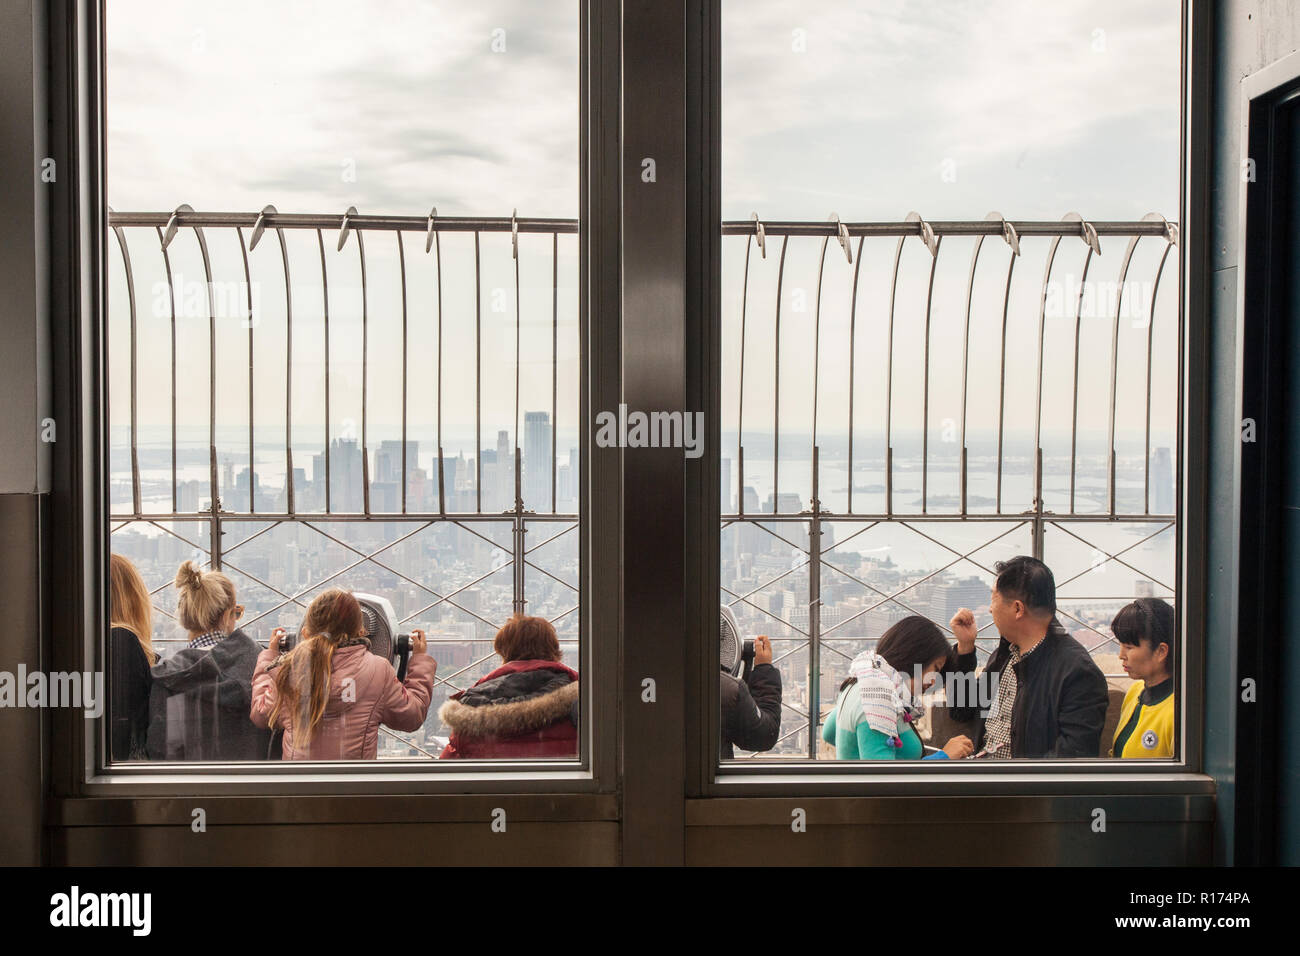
(886, 695)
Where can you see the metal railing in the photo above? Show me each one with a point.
(517, 518)
(1037, 519)
(408, 522)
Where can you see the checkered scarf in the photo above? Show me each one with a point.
(210, 639)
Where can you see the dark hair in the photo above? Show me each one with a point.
(1147, 621)
(524, 638)
(1028, 581)
(913, 640)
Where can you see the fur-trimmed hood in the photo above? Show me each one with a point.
(521, 697)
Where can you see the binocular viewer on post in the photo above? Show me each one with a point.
(734, 652)
(381, 629)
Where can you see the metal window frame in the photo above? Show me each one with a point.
(646, 758)
(709, 776)
(80, 503)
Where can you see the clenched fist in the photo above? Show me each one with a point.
(963, 628)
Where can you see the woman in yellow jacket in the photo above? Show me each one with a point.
(1145, 631)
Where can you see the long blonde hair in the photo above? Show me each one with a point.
(303, 682)
(129, 605)
(205, 597)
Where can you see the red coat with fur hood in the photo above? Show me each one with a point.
(523, 709)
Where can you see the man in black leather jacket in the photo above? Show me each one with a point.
(751, 710)
(1055, 706)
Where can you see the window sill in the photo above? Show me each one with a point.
(230, 808)
(771, 782)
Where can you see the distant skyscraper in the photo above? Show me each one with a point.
(490, 468)
(726, 485)
(787, 503)
(563, 487)
(345, 477)
(575, 479)
(449, 474)
(248, 486)
(388, 460)
(291, 572)
(828, 536)
(193, 495)
(1162, 482)
(749, 538)
(537, 460)
(946, 595)
(505, 477)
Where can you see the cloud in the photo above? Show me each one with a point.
(1031, 102)
(250, 104)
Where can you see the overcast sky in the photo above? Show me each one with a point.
(866, 109)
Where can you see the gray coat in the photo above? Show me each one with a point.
(199, 703)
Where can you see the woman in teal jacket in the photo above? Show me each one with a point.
(879, 703)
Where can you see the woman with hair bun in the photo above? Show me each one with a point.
(199, 702)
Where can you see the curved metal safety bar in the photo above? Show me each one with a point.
(1042, 326)
(401, 263)
(1012, 239)
(259, 226)
(430, 232)
(365, 361)
(288, 375)
(853, 320)
(325, 305)
(925, 373)
(345, 229)
(1151, 324)
(817, 350)
(1114, 381)
(740, 390)
(842, 232)
(760, 233)
(171, 301)
(1078, 330)
(173, 223)
(248, 287)
(1008, 231)
(776, 381)
(135, 422)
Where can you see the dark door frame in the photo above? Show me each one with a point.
(1270, 100)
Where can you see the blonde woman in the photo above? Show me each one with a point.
(330, 694)
(198, 707)
(131, 654)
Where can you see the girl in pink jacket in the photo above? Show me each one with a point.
(330, 694)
